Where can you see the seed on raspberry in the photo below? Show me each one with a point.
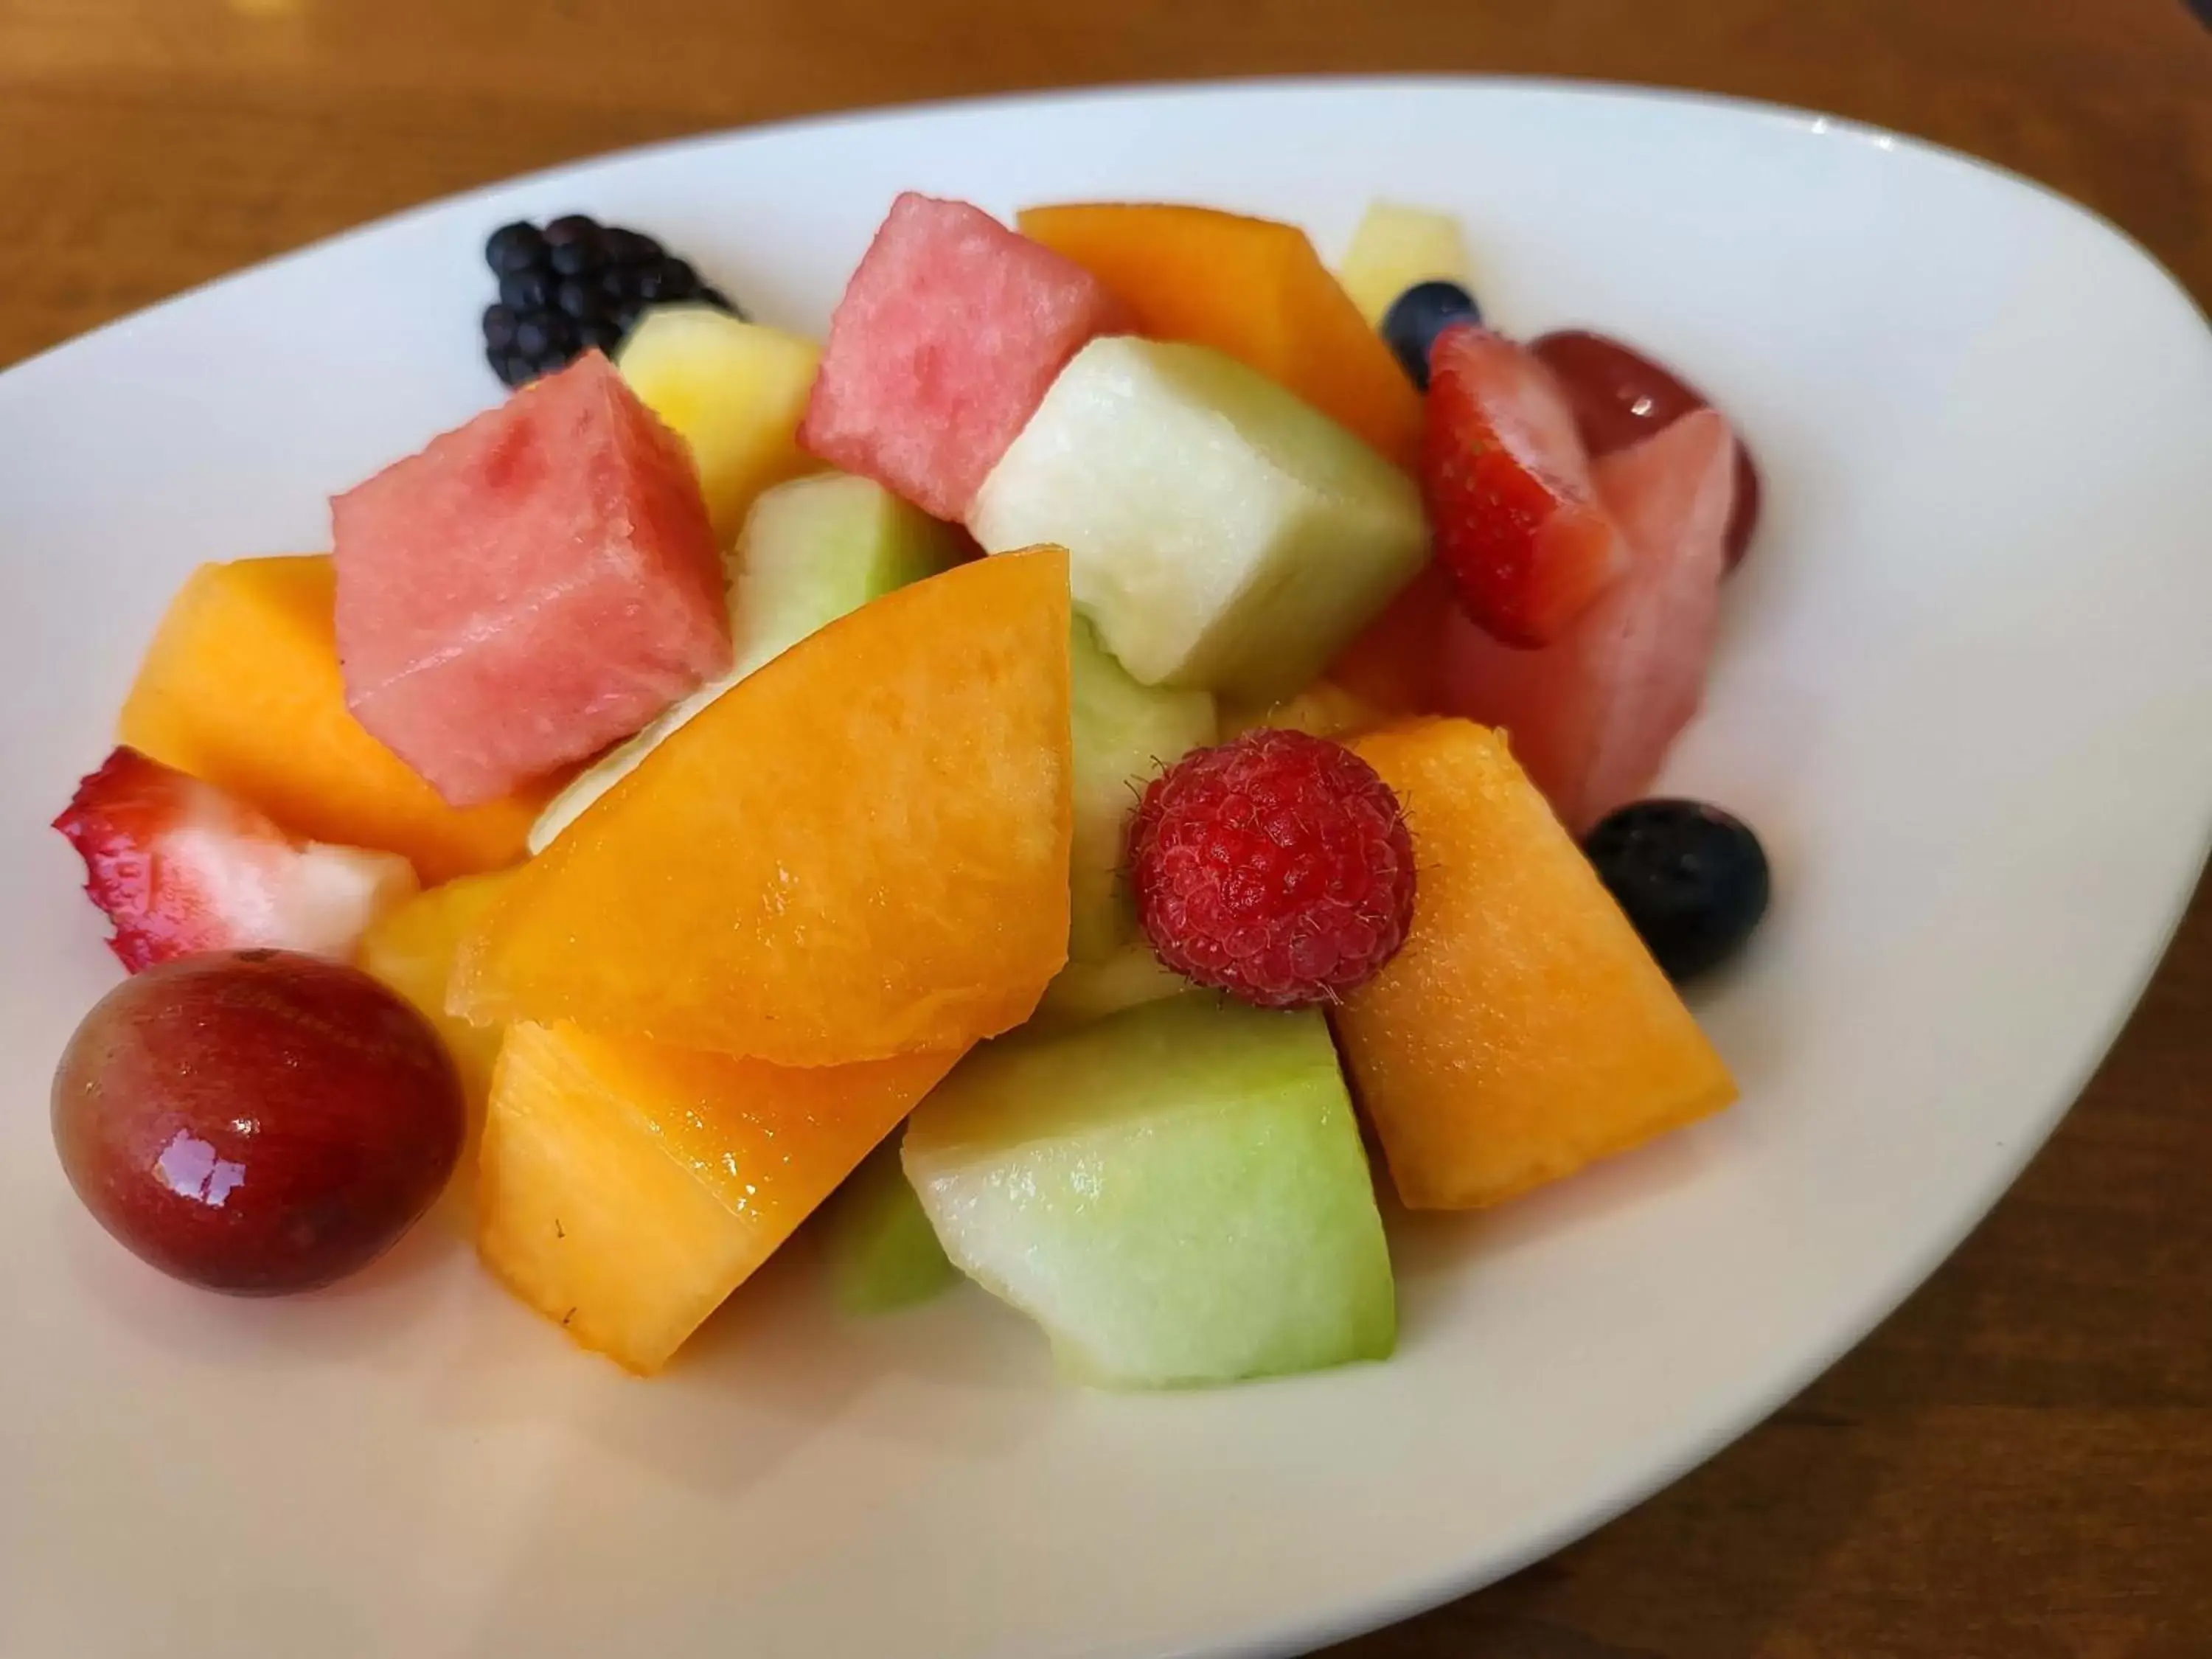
(1276, 868)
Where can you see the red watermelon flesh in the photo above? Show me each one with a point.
(530, 588)
(945, 341)
(1590, 716)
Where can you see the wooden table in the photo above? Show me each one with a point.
(2020, 1463)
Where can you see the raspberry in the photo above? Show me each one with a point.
(1276, 868)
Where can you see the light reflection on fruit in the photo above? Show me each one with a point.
(256, 1121)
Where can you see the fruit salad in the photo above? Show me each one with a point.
(1038, 782)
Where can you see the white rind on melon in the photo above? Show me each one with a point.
(1222, 534)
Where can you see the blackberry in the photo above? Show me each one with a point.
(576, 284)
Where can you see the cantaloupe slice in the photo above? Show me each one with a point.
(626, 1188)
(860, 850)
(241, 687)
(1254, 289)
(1523, 1031)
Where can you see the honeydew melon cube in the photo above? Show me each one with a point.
(1124, 734)
(1177, 1194)
(1223, 536)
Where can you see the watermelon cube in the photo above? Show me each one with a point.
(942, 347)
(1591, 716)
(530, 588)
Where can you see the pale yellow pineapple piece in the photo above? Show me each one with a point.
(1395, 247)
(733, 391)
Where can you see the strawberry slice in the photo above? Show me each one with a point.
(1517, 518)
(179, 865)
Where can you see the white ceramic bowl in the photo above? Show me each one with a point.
(1965, 693)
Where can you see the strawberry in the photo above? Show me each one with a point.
(1517, 521)
(179, 865)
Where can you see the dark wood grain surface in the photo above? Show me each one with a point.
(2019, 1464)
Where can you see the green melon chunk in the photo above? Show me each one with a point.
(1125, 734)
(1220, 533)
(882, 1252)
(1129, 977)
(1177, 1194)
(811, 550)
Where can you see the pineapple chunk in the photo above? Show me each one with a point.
(1395, 247)
(626, 1187)
(733, 391)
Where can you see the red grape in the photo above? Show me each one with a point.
(1620, 395)
(256, 1121)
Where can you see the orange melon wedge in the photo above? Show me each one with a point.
(627, 1188)
(1252, 288)
(860, 850)
(1523, 1031)
(241, 687)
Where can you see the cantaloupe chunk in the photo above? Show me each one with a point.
(241, 687)
(1254, 289)
(1523, 1031)
(1323, 709)
(626, 1188)
(860, 850)
(412, 949)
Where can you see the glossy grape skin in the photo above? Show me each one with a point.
(256, 1121)
(1620, 395)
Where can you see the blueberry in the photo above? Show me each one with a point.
(1416, 317)
(1692, 879)
(498, 329)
